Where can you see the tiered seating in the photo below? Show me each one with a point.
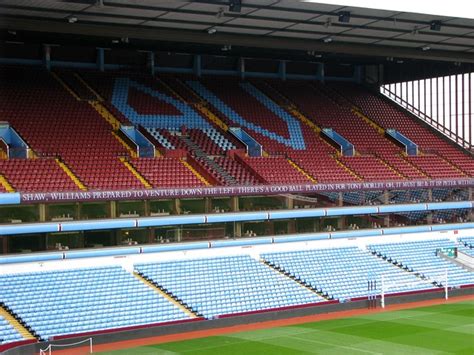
(436, 167)
(227, 285)
(242, 104)
(467, 245)
(322, 167)
(236, 170)
(388, 116)
(8, 334)
(276, 170)
(166, 172)
(341, 273)
(420, 257)
(35, 175)
(83, 300)
(324, 111)
(204, 142)
(467, 241)
(54, 123)
(370, 168)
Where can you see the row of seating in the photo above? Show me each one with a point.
(81, 300)
(8, 334)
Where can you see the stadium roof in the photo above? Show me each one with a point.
(272, 24)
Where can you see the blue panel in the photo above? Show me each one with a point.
(449, 205)
(96, 225)
(410, 147)
(254, 149)
(10, 198)
(356, 233)
(28, 228)
(414, 229)
(237, 217)
(101, 252)
(175, 247)
(403, 208)
(346, 147)
(300, 238)
(344, 211)
(442, 227)
(300, 213)
(241, 242)
(30, 258)
(167, 221)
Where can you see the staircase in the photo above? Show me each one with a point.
(6, 184)
(405, 268)
(302, 171)
(168, 295)
(17, 323)
(135, 173)
(69, 173)
(295, 279)
(201, 155)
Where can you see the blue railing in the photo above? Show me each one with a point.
(118, 251)
(410, 147)
(346, 147)
(254, 149)
(142, 222)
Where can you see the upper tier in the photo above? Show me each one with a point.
(71, 122)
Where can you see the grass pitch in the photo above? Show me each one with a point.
(443, 329)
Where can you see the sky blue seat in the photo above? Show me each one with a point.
(226, 285)
(87, 299)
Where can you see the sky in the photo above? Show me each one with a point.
(451, 8)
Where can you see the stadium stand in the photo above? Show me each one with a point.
(84, 140)
(340, 273)
(227, 285)
(421, 257)
(82, 300)
(389, 116)
(265, 108)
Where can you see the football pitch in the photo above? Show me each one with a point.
(442, 329)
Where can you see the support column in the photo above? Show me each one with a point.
(234, 204)
(178, 235)
(151, 63)
(386, 221)
(146, 208)
(282, 70)
(241, 68)
(320, 72)
(340, 199)
(5, 244)
(78, 215)
(113, 209)
(42, 212)
(342, 223)
(429, 217)
(207, 205)
(151, 235)
(176, 206)
(470, 215)
(47, 56)
(197, 65)
(237, 229)
(100, 59)
(358, 74)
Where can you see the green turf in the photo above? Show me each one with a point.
(443, 329)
